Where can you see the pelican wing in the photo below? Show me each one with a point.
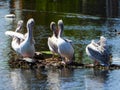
(103, 57)
(52, 45)
(15, 34)
(94, 53)
(68, 40)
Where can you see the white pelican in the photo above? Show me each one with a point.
(26, 47)
(65, 48)
(16, 36)
(52, 41)
(99, 51)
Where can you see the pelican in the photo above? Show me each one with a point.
(99, 52)
(52, 41)
(65, 48)
(16, 37)
(26, 47)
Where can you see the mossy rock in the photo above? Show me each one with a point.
(43, 59)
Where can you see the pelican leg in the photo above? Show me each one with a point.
(53, 56)
(96, 63)
(67, 60)
(28, 59)
(63, 60)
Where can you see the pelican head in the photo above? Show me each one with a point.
(102, 38)
(60, 24)
(60, 27)
(30, 23)
(19, 25)
(103, 41)
(53, 28)
(20, 22)
(92, 41)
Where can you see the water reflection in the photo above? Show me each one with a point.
(53, 80)
(56, 79)
(113, 80)
(18, 80)
(73, 79)
(66, 79)
(96, 80)
(28, 79)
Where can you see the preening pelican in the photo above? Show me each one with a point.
(15, 33)
(52, 41)
(16, 40)
(99, 51)
(16, 37)
(26, 47)
(65, 48)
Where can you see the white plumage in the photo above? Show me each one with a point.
(16, 37)
(65, 48)
(21, 44)
(99, 51)
(15, 34)
(27, 48)
(52, 41)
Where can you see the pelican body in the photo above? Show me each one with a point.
(65, 48)
(52, 41)
(16, 41)
(16, 37)
(27, 48)
(99, 51)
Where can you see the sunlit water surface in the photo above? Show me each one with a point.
(80, 25)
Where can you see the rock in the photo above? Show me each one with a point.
(39, 55)
(30, 60)
(45, 60)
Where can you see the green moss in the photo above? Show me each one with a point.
(46, 52)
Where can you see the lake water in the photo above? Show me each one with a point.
(84, 20)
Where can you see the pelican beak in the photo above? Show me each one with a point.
(56, 32)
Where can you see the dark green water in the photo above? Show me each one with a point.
(84, 20)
